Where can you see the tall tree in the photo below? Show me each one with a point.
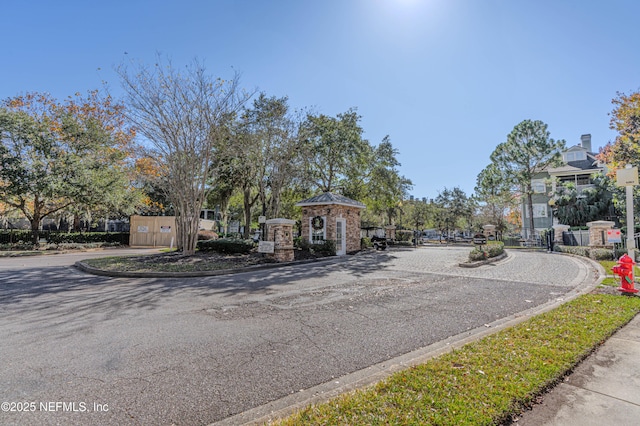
(625, 149)
(182, 113)
(494, 194)
(529, 149)
(454, 210)
(228, 177)
(385, 187)
(334, 149)
(55, 155)
(269, 154)
(420, 214)
(625, 119)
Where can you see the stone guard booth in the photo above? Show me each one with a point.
(333, 217)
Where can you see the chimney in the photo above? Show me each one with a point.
(586, 142)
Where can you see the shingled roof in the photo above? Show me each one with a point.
(330, 198)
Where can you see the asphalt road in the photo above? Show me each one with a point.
(81, 349)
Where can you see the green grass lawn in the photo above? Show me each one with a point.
(612, 279)
(485, 382)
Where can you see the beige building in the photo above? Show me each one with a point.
(152, 231)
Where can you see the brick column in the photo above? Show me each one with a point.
(280, 231)
(598, 233)
(557, 232)
(489, 231)
(390, 232)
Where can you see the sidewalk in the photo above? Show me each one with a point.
(603, 389)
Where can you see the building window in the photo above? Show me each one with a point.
(583, 180)
(538, 186)
(539, 210)
(575, 156)
(318, 227)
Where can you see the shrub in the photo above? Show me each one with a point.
(618, 252)
(21, 246)
(21, 240)
(576, 250)
(326, 248)
(88, 237)
(302, 243)
(204, 234)
(233, 236)
(75, 246)
(602, 254)
(365, 242)
(593, 253)
(403, 236)
(226, 246)
(15, 236)
(493, 249)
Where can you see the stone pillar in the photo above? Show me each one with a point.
(557, 232)
(390, 232)
(489, 231)
(598, 233)
(280, 231)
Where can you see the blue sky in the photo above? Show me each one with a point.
(447, 80)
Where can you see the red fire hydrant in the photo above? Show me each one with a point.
(624, 270)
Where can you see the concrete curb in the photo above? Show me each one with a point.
(484, 262)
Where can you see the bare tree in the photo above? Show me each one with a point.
(182, 113)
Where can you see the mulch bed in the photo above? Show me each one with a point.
(223, 261)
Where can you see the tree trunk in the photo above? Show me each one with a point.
(247, 212)
(76, 223)
(187, 232)
(531, 223)
(35, 220)
(35, 228)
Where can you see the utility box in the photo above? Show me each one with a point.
(152, 231)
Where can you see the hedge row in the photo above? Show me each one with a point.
(15, 236)
(26, 237)
(89, 237)
(593, 253)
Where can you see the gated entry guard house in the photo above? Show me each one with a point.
(334, 217)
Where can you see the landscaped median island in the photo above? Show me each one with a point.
(176, 262)
(486, 251)
(212, 255)
(486, 382)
